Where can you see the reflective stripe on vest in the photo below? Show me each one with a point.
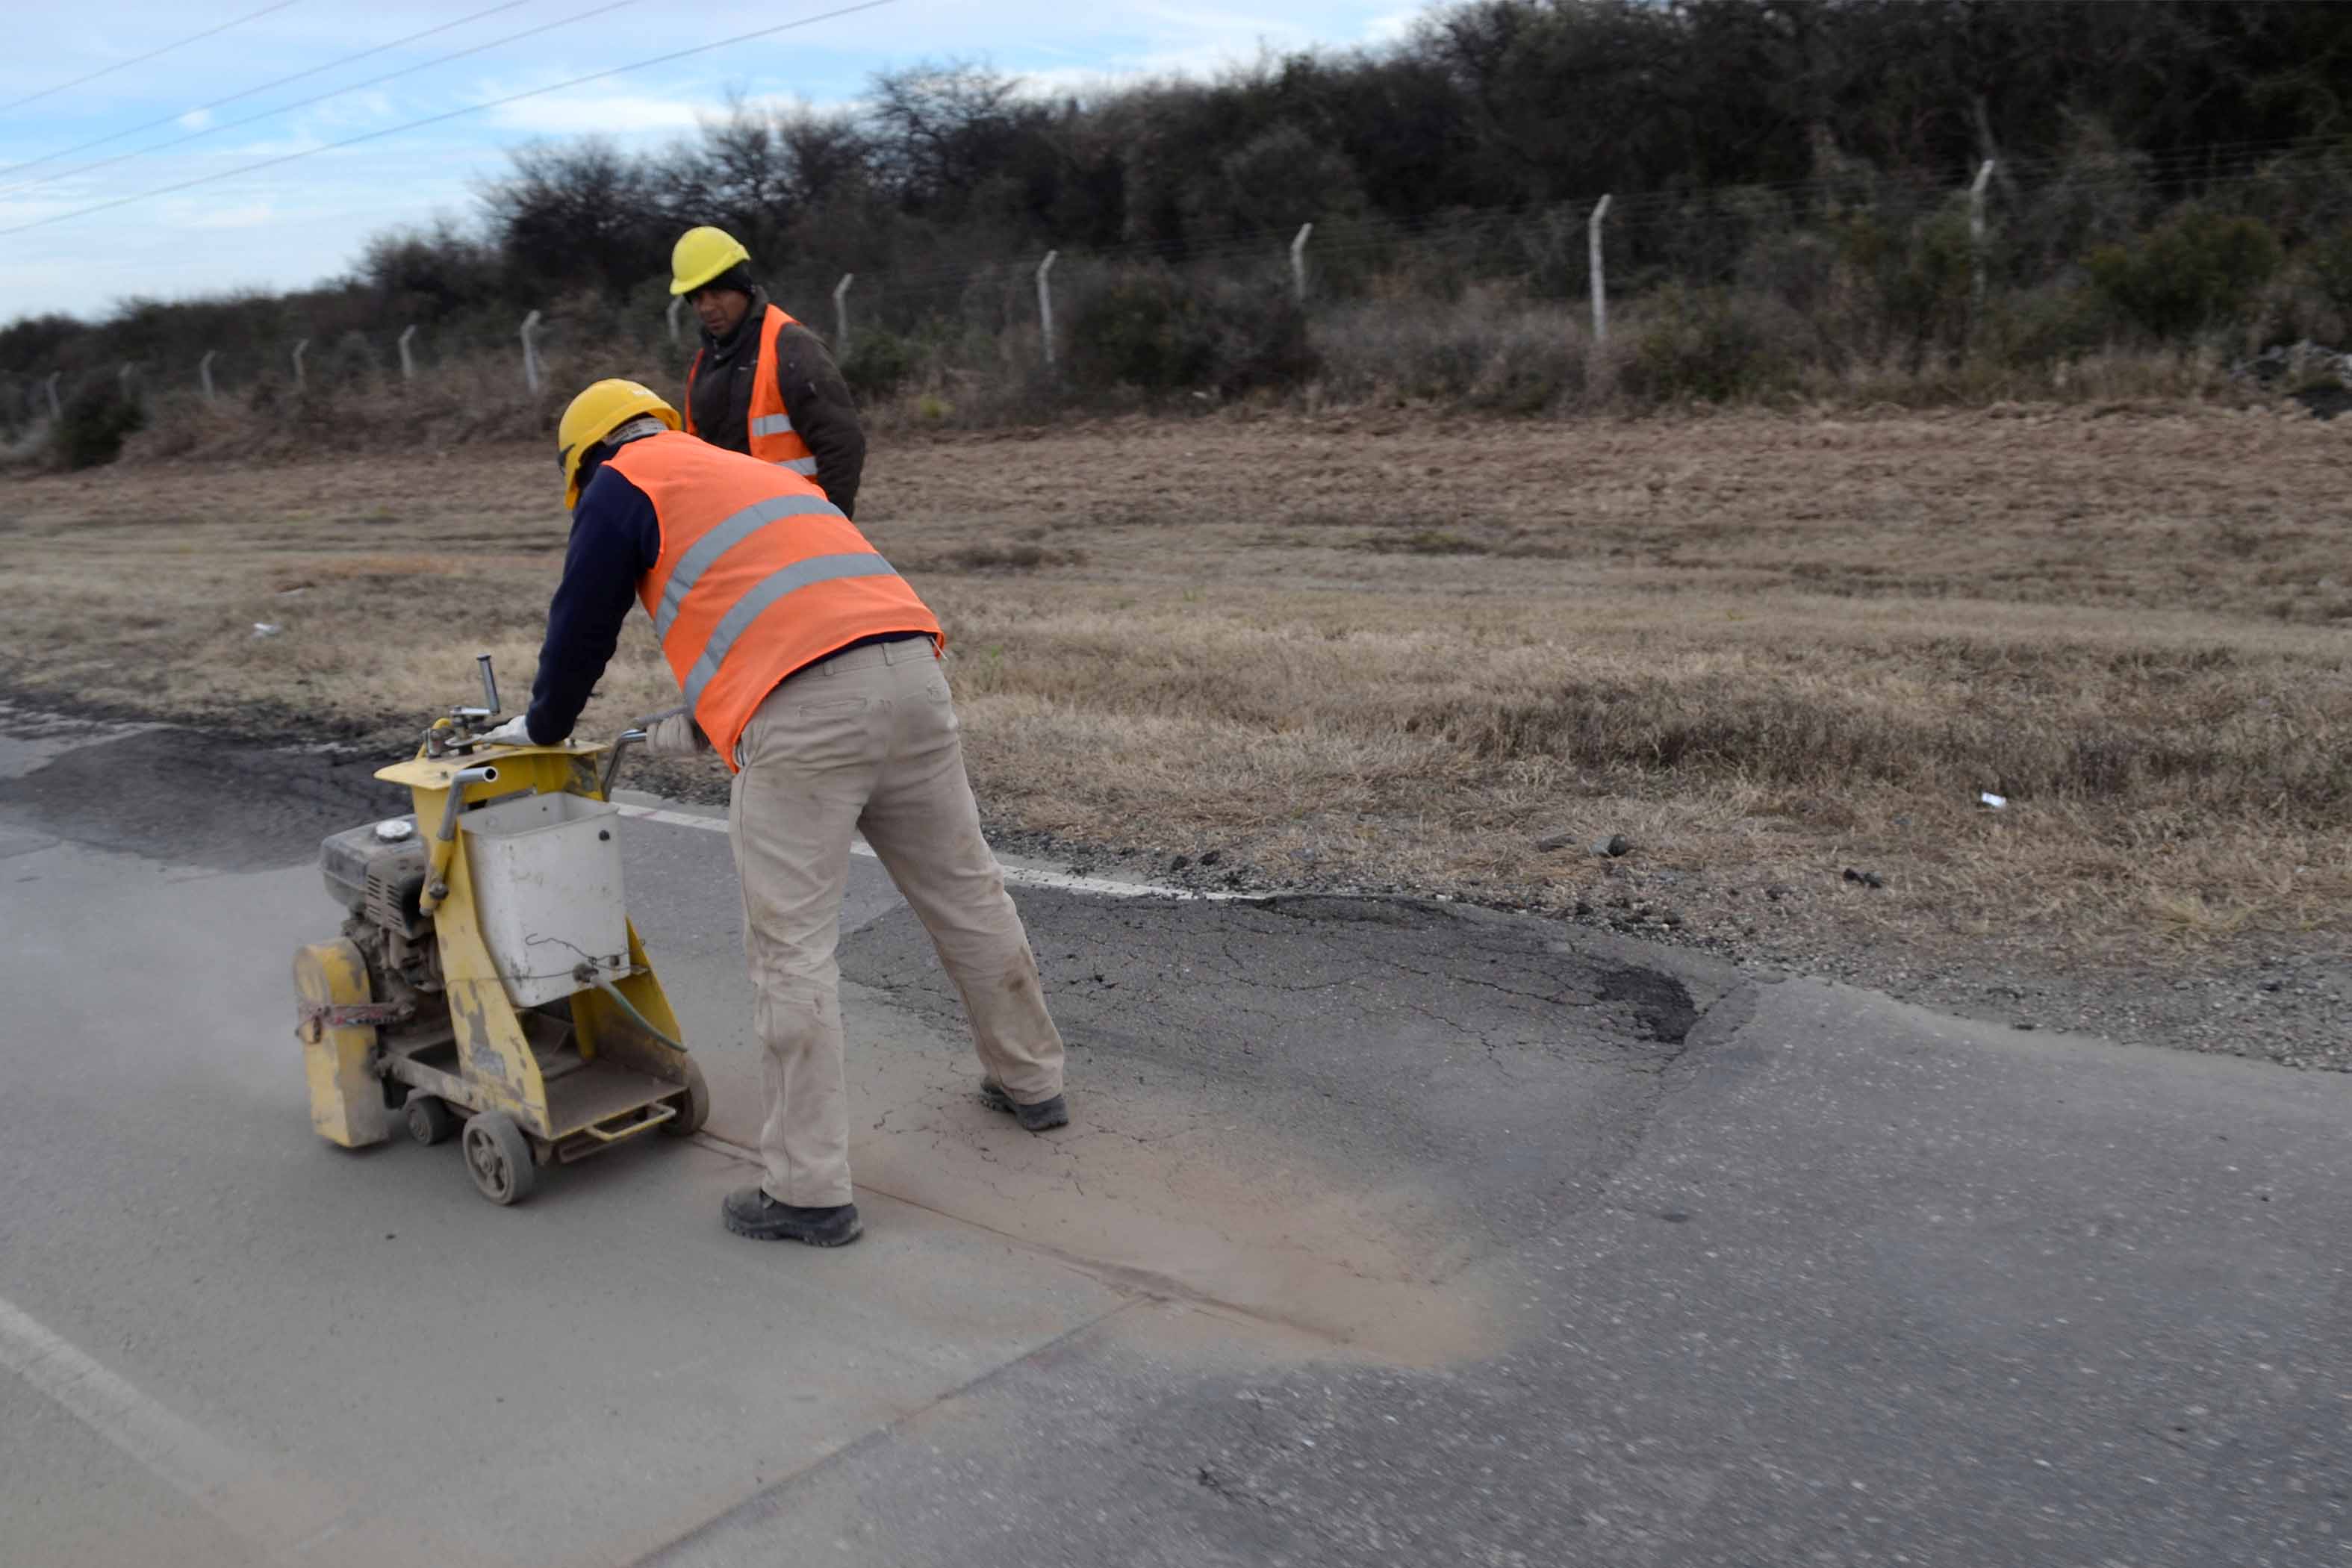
(751, 606)
(724, 537)
(772, 435)
(758, 576)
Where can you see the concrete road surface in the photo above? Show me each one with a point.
(1387, 1232)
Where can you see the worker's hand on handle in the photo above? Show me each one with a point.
(675, 735)
(515, 731)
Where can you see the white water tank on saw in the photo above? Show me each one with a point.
(547, 892)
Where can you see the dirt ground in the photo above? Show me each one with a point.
(1778, 657)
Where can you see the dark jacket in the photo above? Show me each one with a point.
(815, 396)
(615, 540)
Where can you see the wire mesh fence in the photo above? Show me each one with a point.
(1910, 259)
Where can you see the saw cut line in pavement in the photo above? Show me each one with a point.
(1016, 874)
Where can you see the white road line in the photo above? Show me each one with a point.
(263, 1505)
(1020, 876)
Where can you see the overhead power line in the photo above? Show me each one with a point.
(756, 33)
(235, 98)
(141, 60)
(323, 96)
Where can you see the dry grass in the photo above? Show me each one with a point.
(1392, 649)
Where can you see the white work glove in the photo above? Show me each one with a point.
(515, 731)
(677, 736)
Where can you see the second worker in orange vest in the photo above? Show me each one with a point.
(814, 670)
(761, 383)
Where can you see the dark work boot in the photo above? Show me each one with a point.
(751, 1212)
(1038, 1118)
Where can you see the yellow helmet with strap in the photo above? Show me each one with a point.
(595, 413)
(701, 255)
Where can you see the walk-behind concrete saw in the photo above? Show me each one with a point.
(489, 982)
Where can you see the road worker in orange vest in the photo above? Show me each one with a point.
(814, 672)
(762, 382)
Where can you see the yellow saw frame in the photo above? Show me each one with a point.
(533, 1086)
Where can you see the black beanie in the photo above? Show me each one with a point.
(737, 278)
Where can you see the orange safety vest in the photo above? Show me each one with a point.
(772, 437)
(760, 576)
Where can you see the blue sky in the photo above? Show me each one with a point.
(306, 220)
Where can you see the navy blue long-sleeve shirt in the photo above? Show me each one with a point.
(615, 540)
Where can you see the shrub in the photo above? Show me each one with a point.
(1487, 351)
(1706, 344)
(1923, 279)
(1133, 331)
(1150, 329)
(2036, 329)
(95, 422)
(1256, 331)
(879, 362)
(2330, 261)
(2195, 270)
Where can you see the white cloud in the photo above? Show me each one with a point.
(354, 111)
(188, 214)
(197, 120)
(283, 146)
(590, 112)
(1224, 24)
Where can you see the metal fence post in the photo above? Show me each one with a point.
(204, 372)
(56, 410)
(1599, 280)
(841, 313)
(1298, 262)
(407, 360)
(1045, 304)
(299, 344)
(1977, 237)
(670, 316)
(531, 351)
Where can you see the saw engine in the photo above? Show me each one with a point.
(377, 873)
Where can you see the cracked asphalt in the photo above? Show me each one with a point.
(1386, 1232)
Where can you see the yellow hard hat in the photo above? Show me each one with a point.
(595, 413)
(701, 255)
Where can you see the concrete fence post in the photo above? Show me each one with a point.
(57, 410)
(670, 315)
(1045, 304)
(1976, 238)
(407, 359)
(122, 380)
(1298, 262)
(299, 345)
(204, 372)
(1599, 278)
(841, 313)
(531, 351)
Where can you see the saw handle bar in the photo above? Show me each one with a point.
(628, 738)
(436, 876)
(621, 743)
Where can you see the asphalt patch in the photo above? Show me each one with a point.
(1507, 1066)
(191, 798)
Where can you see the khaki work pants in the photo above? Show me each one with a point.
(866, 741)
